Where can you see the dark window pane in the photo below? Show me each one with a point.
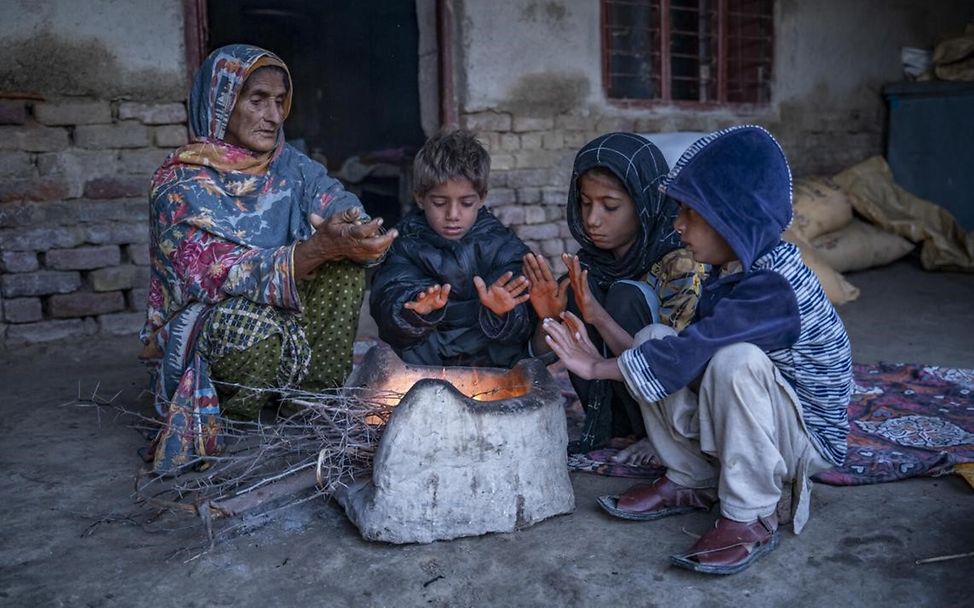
(705, 64)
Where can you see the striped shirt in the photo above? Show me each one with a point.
(819, 364)
(779, 306)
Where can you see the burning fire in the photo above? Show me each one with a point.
(477, 384)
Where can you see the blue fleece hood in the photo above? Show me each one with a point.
(739, 181)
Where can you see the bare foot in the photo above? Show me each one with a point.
(638, 454)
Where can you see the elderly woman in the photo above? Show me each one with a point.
(257, 261)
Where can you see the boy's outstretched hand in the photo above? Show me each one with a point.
(504, 294)
(548, 298)
(571, 343)
(433, 298)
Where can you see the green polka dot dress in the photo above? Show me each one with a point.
(252, 346)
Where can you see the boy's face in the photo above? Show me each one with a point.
(607, 213)
(706, 245)
(451, 208)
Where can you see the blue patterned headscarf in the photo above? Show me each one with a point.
(257, 199)
(640, 166)
(219, 81)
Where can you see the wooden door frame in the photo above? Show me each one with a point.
(195, 30)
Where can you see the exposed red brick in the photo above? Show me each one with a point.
(116, 187)
(32, 189)
(84, 304)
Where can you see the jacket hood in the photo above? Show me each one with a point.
(641, 167)
(739, 181)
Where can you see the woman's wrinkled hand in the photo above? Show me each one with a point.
(548, 298)
(354, 240)
(342, 236)
(430, 299)
(504, 294)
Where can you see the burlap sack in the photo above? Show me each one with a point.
(953, 59)
(875, 196)
(859, 246)
(819, 206)
(838, 290)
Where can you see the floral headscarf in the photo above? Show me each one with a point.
(215, 90)
(219, 81)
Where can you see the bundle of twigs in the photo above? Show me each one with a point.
(317, 443)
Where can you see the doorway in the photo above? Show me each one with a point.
(356, 101)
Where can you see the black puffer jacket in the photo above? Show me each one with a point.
(464, 332)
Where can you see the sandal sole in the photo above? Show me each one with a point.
(760, 551)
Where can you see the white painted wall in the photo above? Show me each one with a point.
(529, 52)
(829, 53)
(103, 47)
(833, 53)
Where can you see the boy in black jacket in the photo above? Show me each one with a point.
(449, 292)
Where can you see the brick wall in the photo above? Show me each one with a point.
(74, 176)
(531, 157)
(531, 164)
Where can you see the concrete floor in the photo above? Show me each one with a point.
(63, 468)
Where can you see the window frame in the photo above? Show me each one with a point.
(665, 95)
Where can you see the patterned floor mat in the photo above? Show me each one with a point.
(906, 420)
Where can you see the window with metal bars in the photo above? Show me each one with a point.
(699, 51)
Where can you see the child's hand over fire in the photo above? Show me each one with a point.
(433, 298)
(504, 294)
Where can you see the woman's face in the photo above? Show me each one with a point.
(258, 113)
(608, 214)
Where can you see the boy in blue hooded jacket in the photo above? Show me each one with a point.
(748, 401)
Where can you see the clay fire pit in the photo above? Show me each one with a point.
(467, 451)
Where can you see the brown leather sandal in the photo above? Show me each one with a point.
(661, 498)
(731, 546)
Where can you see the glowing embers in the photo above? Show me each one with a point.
(479, 384)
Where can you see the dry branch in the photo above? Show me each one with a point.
(327, 442)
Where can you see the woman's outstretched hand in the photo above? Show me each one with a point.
(548, 298)
(433, 298)
(342, 236)
(591, 310)
(571, 343)
(504, 294)
(357, 241)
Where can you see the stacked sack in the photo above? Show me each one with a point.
(832, 241)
